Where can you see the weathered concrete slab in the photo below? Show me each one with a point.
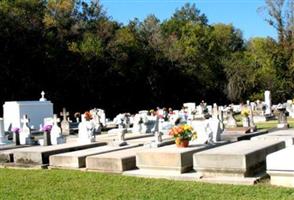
(39, 155)
(11, 146)
(77, 159)
(192, 176)
(115, 162)
(234, 137)
(279, 135)
(244, 158)
(280, 167)
(169, 157)
(6, 156)
(129, 136)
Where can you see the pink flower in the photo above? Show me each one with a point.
(47, 128)
(15, 129)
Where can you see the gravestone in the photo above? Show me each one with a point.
(214, 125)
(231, 122)
(86, 131)
(25, 136)
(268, 102)
(65, 123)
(221, 117)
(56, 135)
(3, 139)
(282, 118)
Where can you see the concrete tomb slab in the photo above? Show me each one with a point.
(77, 159)
(170, 158)
(280, 167)
(39, 155)
(233, 137)
(115, 162)
(243, 159)
(281, 135)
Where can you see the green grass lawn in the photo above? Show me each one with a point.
(67, 184)
(273, 124)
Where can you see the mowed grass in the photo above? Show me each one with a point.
(273, 124)
(67, 184)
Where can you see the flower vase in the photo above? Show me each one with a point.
(16, 138)
(47, 138)
(245, 121)
(182, 143)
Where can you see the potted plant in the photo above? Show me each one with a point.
(47, 139)
(183, 134)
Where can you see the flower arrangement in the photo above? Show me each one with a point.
(15, 130)
(182, 133)
(88, 116)
(47, 128)
(245, 112)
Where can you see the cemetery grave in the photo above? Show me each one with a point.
(139, 145)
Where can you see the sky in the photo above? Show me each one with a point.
(242, 14)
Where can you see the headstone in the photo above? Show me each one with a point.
(282, 118)
(3, 139)
(214, 124)
(86, 131)
(25, 133)
(231, 122)
(56, 135)
(221, 117)
(64, 123)
(268, 103)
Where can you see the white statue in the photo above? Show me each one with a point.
(86, 129)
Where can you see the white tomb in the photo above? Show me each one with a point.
(280, 167)
(36, 110)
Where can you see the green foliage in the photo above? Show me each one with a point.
(181, 59)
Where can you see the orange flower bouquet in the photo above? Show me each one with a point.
(183, 134)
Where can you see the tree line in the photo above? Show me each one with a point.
(82, 58)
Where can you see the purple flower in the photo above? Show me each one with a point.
(15, 129)
(47, 128)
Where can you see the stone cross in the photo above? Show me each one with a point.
(65, 123)
(64, 114)
(43, 96)
(25, 120)
(25, 134)
(55, 119)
